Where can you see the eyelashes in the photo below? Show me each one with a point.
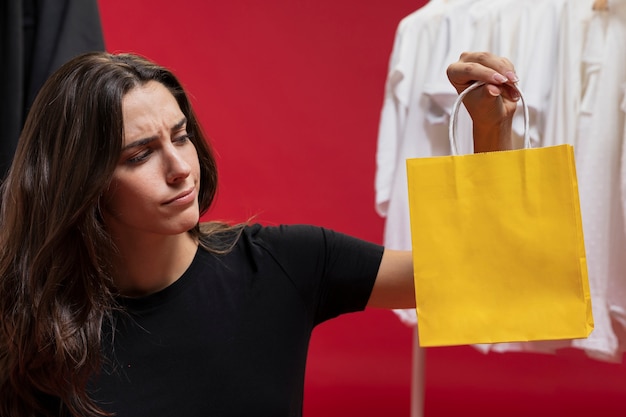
(144, 154)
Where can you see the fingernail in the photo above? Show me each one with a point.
(500, 78)
(512, 76)
(515, 95)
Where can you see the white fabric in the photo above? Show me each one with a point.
(598, 158)
(572, 69)
(562, 114)
(407, 68)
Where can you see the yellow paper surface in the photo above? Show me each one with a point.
(498, 247)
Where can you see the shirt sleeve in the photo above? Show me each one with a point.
(333, 272)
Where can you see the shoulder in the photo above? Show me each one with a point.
(298, 247)
(299, 237)
(284, 243)
(283, 233)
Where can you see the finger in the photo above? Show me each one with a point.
(510, 91)
(482, 96)
(481, 66)
(463, 74)
(505, 90)
(487, 59)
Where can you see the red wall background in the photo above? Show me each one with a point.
(289, 92)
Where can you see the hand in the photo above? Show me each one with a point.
(492, 105)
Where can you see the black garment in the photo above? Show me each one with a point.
(230, 337)
(36, 38)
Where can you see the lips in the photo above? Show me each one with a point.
(183, 197)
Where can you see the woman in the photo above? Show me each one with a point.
(114, 299)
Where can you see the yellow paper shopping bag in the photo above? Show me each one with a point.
(498, 246)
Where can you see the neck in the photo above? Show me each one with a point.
(150, 265)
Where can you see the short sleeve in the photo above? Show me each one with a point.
(334, 273)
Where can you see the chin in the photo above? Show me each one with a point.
(188, 224)
(183, 222)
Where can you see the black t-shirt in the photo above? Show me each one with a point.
(230, 336)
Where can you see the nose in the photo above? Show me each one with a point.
(177, 167)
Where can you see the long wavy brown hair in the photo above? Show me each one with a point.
(56, 284)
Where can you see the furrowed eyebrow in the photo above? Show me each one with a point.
(145, 141)
(140, 142)
(180, 124)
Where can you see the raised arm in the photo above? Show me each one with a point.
(491, 107)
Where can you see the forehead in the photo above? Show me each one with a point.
(148, 109)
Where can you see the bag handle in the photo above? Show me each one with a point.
(455, 112)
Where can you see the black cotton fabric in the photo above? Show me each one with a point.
(230, 337)
(36, 38)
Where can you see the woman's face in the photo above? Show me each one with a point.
(154, 189)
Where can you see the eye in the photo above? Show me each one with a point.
(182, 139)
(139, 157)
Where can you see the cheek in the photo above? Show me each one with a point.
(193, 159)
(122, 195)
(110, 199)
